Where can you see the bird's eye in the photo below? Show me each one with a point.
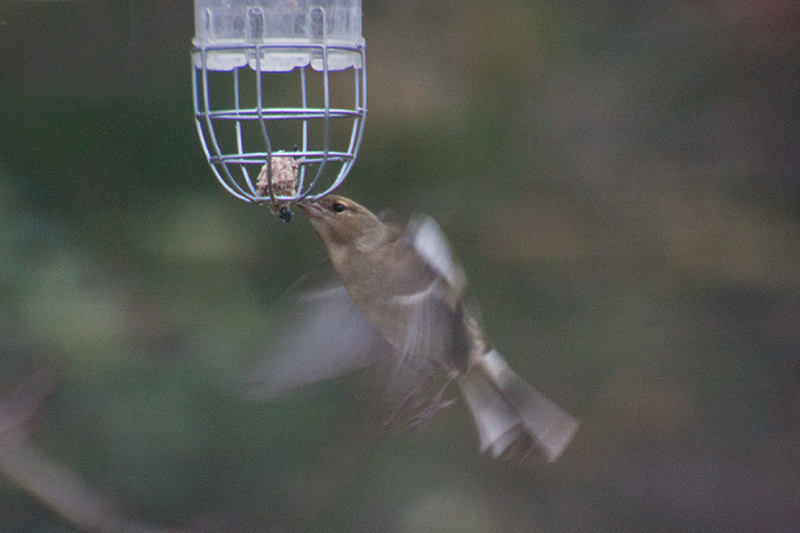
(337, 207)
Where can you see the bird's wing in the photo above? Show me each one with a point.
(430, 243)
(325, 336)
(427, 297)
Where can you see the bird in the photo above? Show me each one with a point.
(398, 295)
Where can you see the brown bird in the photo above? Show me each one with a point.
(402, 297)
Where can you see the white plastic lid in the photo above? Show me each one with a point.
(286, 26)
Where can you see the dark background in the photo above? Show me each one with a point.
(622, 183)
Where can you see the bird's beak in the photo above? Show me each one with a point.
(312, 209)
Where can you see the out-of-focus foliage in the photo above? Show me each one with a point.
(622, 183)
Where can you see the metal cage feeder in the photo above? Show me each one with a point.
(279, 79)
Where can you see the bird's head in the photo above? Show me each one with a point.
(342, 223)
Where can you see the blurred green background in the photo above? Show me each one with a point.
(620, 179)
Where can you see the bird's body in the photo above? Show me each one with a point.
(412, 292)
(401, 302)
(414, 305)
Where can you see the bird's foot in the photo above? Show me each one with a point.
(408, 404)
(428, 409)
(423, 410)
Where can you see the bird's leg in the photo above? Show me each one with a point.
(410, 402)
(432, 406)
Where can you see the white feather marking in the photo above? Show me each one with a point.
(417, 297)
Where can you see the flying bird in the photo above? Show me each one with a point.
(398, 296)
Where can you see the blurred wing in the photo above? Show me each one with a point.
(427, 299)
(430, 243)
(325, 336)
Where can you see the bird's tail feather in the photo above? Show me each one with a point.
(512, 416)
